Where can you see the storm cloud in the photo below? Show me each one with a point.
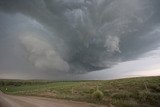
(75, 36)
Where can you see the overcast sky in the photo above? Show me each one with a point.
(79, 39)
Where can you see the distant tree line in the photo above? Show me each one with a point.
(21, 82)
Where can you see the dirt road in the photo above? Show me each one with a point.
(28, 101)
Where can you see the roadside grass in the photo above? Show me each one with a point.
(129, 92)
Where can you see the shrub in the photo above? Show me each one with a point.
(125, 103)
(142, 95)
(97, 95)
(91, 91)
(154, 87)
(149, 97)
(124, 95)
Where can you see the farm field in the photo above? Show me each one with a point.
(127, 92)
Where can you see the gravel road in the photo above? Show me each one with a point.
(29, 101)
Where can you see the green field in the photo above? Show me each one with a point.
(129, 92)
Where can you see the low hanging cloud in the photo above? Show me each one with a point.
(42, 54)
(85, 35)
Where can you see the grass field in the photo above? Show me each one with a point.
(129, 92)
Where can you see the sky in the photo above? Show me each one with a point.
(79, 39)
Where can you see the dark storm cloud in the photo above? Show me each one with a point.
(83, 35)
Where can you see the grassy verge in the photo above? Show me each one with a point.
(130, 92)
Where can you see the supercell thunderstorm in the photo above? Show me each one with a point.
(80, 36)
